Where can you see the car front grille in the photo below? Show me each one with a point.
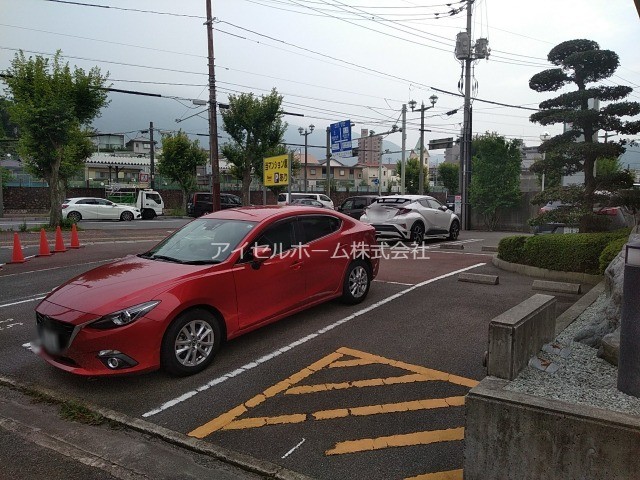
(54, 334)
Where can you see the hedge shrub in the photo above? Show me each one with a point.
(511, 249)
(610, 252)
(572, 252)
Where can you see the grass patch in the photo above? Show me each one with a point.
(76, 412)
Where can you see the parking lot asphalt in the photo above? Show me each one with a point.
(390, 373)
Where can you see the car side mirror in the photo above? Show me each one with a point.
(444, 208)
(260, 254)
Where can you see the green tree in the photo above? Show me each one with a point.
(582, 62)
(495, 182)
(449, 173)
(179, 159)
(256, 129)
(53, 107)
(8, 131)
(412, 176)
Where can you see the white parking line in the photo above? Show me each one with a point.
(39, 296)
(277, 353)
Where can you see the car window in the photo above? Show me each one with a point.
(434, 203)
(203, 240)
(392, 200)
(155, 197)
(234, 200)
(100, 201)
(86, 201)
(360, 203)
(324, 198)
(280, 237)
(318, 226)
(282, 197)
(203, 197)
(348, 204)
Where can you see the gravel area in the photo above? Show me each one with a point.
(582, 378)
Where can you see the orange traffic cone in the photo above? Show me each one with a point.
(17, 256)
(59, 248)
(75, 243)
(44, 245)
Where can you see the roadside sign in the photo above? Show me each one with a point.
(375, 181)
(144, 177)
(458, 204)
(276, 171)
(440, 143)
(341, 139)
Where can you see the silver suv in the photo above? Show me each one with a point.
(411, 218)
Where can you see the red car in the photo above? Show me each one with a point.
(219, 276)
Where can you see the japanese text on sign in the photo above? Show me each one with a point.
(276, 171)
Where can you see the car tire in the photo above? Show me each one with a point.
(148, 214)
(75, 217)
(417, 233)
(356, 282)
(190, 343)
(126, 216)
(454, 230)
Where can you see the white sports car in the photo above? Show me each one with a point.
(90, 208)
(411, 218)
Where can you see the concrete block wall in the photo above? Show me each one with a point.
(511, 435)
(518, 334)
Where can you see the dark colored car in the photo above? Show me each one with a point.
(200, 203)
(216, 278)
(354, 206)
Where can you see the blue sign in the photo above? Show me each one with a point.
(375, 181)
(341, 139)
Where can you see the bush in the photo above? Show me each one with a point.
(511, 249)
(610, 252)
(573, 252)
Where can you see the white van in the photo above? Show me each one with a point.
(283, 198)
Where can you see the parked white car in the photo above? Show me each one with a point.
(411, 218)
(90, 208)
(283, 198)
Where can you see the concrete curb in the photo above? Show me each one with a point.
(558, 287)
(554, 275)
(479, 278)
(574, 311)
(250, 464)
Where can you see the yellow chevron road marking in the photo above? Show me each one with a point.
(342, 358)
(450, 475)
(405, 440)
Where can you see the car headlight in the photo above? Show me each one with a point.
(123, 317)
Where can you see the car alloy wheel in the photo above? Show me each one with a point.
(126, 216)
(454, 231)
(356, 283)
(75, 217)
(191, 342)
(417, 233)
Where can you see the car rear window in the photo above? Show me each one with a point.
(393, 200)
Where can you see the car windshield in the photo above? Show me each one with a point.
(201, 242)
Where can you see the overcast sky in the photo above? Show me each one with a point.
(332, 60)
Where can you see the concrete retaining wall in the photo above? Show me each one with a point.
(518, 334)
(517, 436)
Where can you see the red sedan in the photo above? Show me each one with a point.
(216, 278)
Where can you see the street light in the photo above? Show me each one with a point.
(412, 103)
(544, 137)
(306, 133)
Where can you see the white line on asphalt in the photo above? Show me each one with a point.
(63, 266)
(396, 283)
(286, 348)
(293, 449)
(24, 301)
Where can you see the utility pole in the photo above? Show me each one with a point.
(152, 154)
(213, 119)
(306, 133)
(466, 140)
(433, 99)
(404, 148)
(468, 52)
(1, 197)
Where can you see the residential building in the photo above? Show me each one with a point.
(109, 142)
(369, 147)
(140, 146)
